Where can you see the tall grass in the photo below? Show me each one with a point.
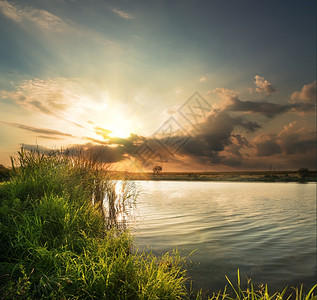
(58, 240)
(250, 292)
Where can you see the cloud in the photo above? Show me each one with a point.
(56, 138)
(215, 145)
(42, 18)
(104, 133)
(266, 145)
(234, 104)
(226, 94)
(232, 156)
(219, 141)
(297, 140)
(63, 98)
(307, 94)
(304, 101)
(96, 141)
(218, 127)
(47, 96)
(38, 130)
(263, 86)
(291, 140)
(215, 141)
(122, 14)
(267, 109)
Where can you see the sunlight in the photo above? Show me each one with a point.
(120, 127)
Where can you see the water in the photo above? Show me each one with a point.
(267, 230)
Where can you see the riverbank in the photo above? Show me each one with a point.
(247, 176)
(56, 243)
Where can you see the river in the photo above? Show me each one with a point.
(266, 230)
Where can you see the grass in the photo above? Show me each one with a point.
(55, 243)
(237, 292)
(59, 241)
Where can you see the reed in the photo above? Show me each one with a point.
(56, 242)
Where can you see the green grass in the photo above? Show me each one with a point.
(54, 241)
(237, 292)
(58, 240)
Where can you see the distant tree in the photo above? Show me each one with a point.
(157, 169)
(303, 173)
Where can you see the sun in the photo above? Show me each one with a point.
(120, 127)
(119, 132)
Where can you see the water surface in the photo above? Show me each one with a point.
(267, 230)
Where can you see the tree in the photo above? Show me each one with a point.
(303, 173)
(157, 169)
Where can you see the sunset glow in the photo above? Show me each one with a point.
(112, 75)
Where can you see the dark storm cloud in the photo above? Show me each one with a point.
(295, 144)
(215, 141)
(38, 130)
(215, 135)
(301, 101)
(128, 145)
(266, 145)
(240, 140)
(290, 140)
(267, 109)
(217, 130)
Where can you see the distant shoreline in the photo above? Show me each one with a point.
(243, 176)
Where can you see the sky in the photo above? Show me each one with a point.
(217, 85)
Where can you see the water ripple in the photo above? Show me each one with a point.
(267, 230)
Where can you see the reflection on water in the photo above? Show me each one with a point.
(267, 230)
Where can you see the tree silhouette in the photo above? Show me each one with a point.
(303, 173)
(157, 169)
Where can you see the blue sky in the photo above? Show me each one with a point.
(71, 68)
